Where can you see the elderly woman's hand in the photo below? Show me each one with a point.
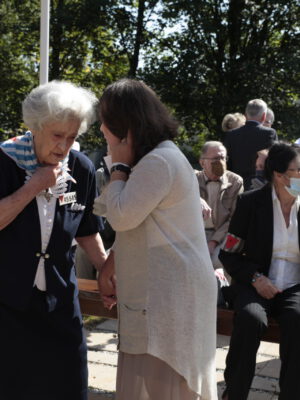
(265, 287)
(46, 176)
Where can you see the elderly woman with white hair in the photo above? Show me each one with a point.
(46, 198)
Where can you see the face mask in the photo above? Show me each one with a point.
(294, 188)
(218, 167)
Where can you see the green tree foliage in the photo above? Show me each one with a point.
(216, 55)
(82, 43)
(19, 35)
(133, 23)
(205, 58)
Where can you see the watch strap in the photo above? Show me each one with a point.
(120, 167)
(256, 276)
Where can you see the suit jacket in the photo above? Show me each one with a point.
(249, 243)
(242, 146)
(231, 187)
(20, 241)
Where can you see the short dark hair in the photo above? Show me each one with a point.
(130, 105)
(279, 157)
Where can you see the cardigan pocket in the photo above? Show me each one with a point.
(133, 330)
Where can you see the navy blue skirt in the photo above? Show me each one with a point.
(43, 355)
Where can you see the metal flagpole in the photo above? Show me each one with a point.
(44, 41)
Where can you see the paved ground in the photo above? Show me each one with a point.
(102, 355)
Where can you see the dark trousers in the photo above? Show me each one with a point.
(250, 322)
(43, 355)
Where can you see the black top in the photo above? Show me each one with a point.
(252, 223)
(20, 241)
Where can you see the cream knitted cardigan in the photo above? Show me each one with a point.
(165, 282)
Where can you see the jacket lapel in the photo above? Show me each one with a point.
(266, 224)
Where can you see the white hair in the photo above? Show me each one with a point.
(211, 144)
(270, 117)
(59, 101)
(232, 121)
(256, 108)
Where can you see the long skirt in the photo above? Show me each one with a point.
(43, 355)
(144, 377)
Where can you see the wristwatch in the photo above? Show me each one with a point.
(120, 167)
(256, 276)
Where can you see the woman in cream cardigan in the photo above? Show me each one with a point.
(166, 289)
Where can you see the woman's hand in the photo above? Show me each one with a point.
(46, 176)
(107, 282)
(265, 287)
(12, 205)
(206, 210)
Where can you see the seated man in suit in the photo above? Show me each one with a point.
(219, 189)
(243, 143)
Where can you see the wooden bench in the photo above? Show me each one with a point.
(91, 304)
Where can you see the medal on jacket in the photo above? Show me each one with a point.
(48, 195)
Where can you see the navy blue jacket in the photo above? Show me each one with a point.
(20, 241)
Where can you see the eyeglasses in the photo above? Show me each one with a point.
(219, 158)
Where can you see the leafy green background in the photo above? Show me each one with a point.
(205, 58)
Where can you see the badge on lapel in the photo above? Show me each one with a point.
(67, 198)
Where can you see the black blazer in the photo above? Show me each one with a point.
(20, 241)
(252, 222)
(242, 145)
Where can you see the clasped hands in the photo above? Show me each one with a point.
(206, 210)
(265, 287)
(107, 282)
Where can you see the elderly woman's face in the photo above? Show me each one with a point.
(54, 141)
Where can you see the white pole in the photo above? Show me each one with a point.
(44, 41)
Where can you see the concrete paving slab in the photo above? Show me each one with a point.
(223, 341)
(102, 341)
(108, 324)
(102, 377)
(102, 356)
(267, 366)
(100, 396)
(265, 383)
(271, 368)
(269, 348)
(220, 358)
(257, 395)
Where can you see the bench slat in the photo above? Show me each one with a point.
(91, 304)
(225, 325)
(90, 301)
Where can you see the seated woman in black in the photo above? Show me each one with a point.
(262, 256)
